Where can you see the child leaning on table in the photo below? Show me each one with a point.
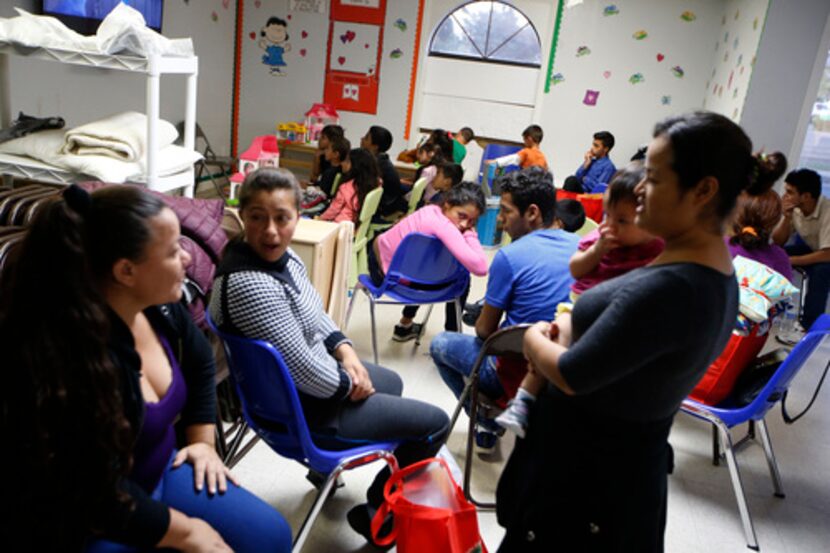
(616, 247)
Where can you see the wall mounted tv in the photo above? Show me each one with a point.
(85, 16)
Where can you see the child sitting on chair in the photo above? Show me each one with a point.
(361, 176)
(454, 223)
(447, 175)
(530, 155)
(615, 248)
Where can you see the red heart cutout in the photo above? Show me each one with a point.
(288, 17)
(350, 35)
(366, 46)
(304, 34)
(302, 52)
(252, 35)
(660, 57)
(341, 60)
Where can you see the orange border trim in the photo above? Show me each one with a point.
(414, 75)
(237, 77)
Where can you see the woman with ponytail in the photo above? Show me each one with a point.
(591, 473)
(756, 215)
(102, 359)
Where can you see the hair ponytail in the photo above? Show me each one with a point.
(766, 169)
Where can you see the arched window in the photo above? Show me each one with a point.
(494, 32)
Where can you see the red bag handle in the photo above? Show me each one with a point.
(391, 496)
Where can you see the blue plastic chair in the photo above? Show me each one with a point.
(421, 261)
(727, 415)
(272, 409)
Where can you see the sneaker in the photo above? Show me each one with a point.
(515, 418)
(406, 333)
(471, 312)
(486, 442)
(361, 522)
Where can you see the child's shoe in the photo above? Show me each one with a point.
(515, 418)
(406, 333)
(486, 442)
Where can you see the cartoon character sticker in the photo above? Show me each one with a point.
(275, 43)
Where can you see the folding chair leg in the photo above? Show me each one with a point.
(322, 495)
(374, 330)
(734, 473)
(468, 462)
(424, 324)
(771, 462)
(459, 406)
(357, 287)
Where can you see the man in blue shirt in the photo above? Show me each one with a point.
(597, 169)
(527, 279)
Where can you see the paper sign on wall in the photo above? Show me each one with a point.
(318, 6)
(354, 54)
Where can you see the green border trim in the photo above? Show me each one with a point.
(554, 42)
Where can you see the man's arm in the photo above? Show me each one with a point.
(820, 256)
(488, 321)
(782, 231)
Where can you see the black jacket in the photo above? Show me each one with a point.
(392, 199)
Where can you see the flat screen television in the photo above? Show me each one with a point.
(84, 16)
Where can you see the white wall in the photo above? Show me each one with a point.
(775, 112)
(267, 99)
(82, 94)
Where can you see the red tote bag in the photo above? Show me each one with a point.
(430, 510)
(592, 203)
(721, 375)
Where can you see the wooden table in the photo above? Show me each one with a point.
(298, 157)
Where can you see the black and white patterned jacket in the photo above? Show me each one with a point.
(276, 302)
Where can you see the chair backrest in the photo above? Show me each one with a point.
(336, 184)
(269, 397)
(813, 347)
(586, 227)
(367, 211)
(426, 262)
(416, 194)
(506, 340)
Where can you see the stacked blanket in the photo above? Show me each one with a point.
(113, 149)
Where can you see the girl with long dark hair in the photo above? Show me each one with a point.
(361, 177)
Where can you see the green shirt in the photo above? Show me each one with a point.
(459, 151)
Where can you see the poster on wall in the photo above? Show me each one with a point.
(354, 52)
(313, 6)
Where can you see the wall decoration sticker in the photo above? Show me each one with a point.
(557, 25)
(688, 16)
(737, 14)
(303, 52)
(304, 35)
(591, 97)
(606, 74)
(557, 78)
(582, 51)
(740, 59)
(275, 43)
(214, 16)
(400, 24)
(665, 100)
(677, 71)
(313, 6)
(610, 10)
(355, 48)
(639, 35)
(257, 4)
(226, 4)
(660, 57)
(397, 53)
(636, 78)
(755, 24)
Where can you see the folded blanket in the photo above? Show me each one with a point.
(122, 136)
(46, 145)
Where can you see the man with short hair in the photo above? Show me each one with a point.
(597, 168)
(807, 219)
(527, 279)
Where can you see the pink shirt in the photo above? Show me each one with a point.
(430, 220)
(616, 262)
(344, 205)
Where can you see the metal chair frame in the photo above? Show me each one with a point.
(724, 417)
(504, 341)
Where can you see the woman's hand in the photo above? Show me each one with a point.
(192, 535)
(361, 382)
(564, 330)
(206, 465)
(542, 329)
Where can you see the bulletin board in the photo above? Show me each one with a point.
(355, 47)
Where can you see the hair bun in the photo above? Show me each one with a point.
(766, 170)
(78, 200)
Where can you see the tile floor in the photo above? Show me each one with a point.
(703, 514)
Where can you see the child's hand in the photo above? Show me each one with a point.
(607, 239)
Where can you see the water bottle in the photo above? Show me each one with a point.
(787, 331)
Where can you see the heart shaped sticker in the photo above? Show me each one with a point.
(366, 46)
(341, 60)
(226, 3)
(302, 52)
(606, 74)
(252, 34)
(304, 34)
(660, 57)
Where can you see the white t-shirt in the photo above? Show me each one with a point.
(814, 228)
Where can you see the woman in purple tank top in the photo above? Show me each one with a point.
(107, 361)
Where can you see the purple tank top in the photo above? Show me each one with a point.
(157, 437)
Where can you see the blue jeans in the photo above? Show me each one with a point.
(244, 521)
(455, 355)
(818, 286)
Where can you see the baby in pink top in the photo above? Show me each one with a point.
(454, 223)
(618, 245)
